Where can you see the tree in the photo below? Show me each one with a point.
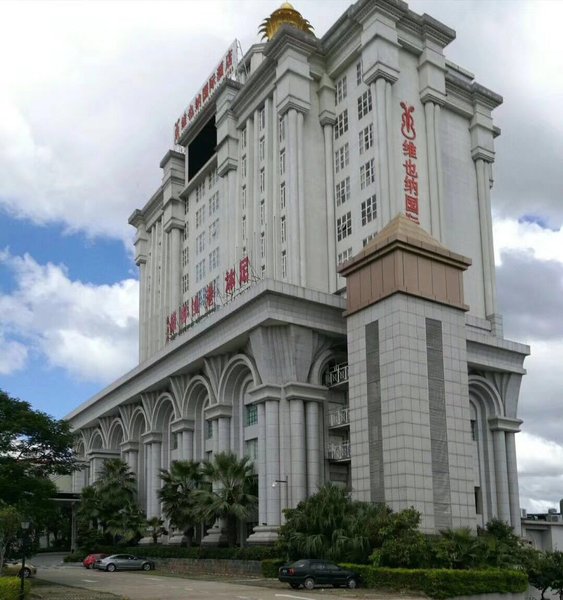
(33, 446)
(232, 495)
(108, 503)
(176, 495)
(9, 526)
(155, 526)
(127, 524)
(540, 568)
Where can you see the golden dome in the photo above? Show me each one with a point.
(284, 14)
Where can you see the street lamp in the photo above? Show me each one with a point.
(25, 527)
(276, 482)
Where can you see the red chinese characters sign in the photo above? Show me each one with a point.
(410, 181)
(209, 298)
(226, 69)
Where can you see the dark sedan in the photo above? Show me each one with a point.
(310, 573)
(123, 562)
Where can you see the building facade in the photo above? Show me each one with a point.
(317, 284)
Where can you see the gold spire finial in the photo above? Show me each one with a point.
(284, 14)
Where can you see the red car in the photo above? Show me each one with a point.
(90, 560)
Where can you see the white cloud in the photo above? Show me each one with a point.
(541, 243)
(90, 331)
(540, 470)
(13, 356)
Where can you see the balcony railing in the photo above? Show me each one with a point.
(337, 375)
(337, 418)
(339, 451)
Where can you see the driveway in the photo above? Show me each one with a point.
(139, 585)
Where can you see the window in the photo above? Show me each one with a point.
(283, 230)
(359, 74)
(367, 173)
(262, 182)
(368, 239)
(344, 226)
(262, 245)
(214, 259)
(364, 104)
(200, 191)
(244, 227)
(251, 450)
(262, 212)
(342, 157)
(366, 138)
(341, 125)
(186, 232)
(185, 283)
(243, 166)
(185, 257)
(186, 206)
(213, 231)
(342, 191)
(344, 256)
(282, 195)
(262, 148)
(200, 217)
(214, 203)
(200, 270)
(284, 263)
(473, 430)
(243, 197)
(282, 130)
(262, 118)
(282, 163)
(369, 210)
(208, 429)
(200, 243)
(212, 178)
(243, 138)
(341, 91)
(251, 411)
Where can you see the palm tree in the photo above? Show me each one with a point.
(155, 526)
(115, 487)
(176, 495)
(127, 523)
(232, 496)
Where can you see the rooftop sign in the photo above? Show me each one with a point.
(226, 69)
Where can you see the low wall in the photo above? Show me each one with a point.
(508, 596)
(204, 566)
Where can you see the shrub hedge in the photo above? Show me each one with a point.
(158, 551)
(442, 583)
(270, 566)
(10, 588)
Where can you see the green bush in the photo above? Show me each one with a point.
(442, 583)
(270, 567)
(158, 551)
(10, 588)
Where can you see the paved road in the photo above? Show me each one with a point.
(151, 586)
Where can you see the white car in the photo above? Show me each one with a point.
(123, 562)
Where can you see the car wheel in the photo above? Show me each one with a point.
(146, 566)
(295, 586)
(309, 583)
(352, 583)
(111, 568)
(25, 573)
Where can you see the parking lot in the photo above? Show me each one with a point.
(139, 585)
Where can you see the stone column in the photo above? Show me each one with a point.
(313, 447)
(297, 478)
(301, 202)
(272, 462)
(486, 229)
(174, 283)
(267, 398)
(330, 218)
(224, 434)
(513, 491)
(432, 117)
(130, 452)
(292, 199)
(215, 429)
(153, 445)
(184, 428)
(501, 476)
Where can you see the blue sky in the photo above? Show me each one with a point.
(87, 110)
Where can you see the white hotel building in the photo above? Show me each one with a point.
(318, 284)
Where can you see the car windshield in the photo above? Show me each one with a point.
(299, 564)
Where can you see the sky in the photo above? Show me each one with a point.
(88, 97)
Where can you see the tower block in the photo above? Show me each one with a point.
(408, 386)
